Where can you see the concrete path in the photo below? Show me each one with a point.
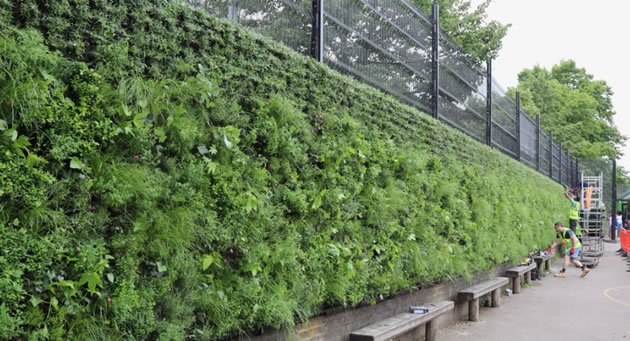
(596, 307)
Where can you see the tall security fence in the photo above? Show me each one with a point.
(396, 47)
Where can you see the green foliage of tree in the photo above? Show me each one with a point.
(468, 27)
(577, 108)
(196, 181)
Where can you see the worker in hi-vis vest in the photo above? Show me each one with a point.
(574, 212)
(572, 247)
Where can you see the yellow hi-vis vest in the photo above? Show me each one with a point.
(568, 243)
(574, 211)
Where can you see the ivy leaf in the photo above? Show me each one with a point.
(161, 267)
(206, 261)
(203, 150)
(54, 302)
(92, 279)
(75, 163)
(35, 301)
(11, 134)
(3, 125)
(227, 142)
(110, 277)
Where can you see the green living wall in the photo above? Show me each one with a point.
(165, 175)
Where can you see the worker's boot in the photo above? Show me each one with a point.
(560, 274)
(585, 271)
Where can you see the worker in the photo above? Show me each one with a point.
(574, 212)
(572, 247)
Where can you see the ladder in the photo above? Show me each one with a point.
(592, 219)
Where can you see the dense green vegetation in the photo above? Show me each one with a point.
(167, 176)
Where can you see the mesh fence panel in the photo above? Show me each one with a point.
(217, 8)
(287, 21)
(544, 153)
(528, 140)
(454, 60)
(503, 120)
(463, 117)
(556, 162)
(462, 91)
(385, 46)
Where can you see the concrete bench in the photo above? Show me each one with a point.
(402, 323)
(516, 272)
(473, 293)
(546, 259)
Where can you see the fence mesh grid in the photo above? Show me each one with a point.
(383, 45)
(528, 140)
(287, 21)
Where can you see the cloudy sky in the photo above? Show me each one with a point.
(593, 33)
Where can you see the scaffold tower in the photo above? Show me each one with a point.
(592, 219)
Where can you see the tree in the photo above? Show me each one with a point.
(479, 40)
(577, 108)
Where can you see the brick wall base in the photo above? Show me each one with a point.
(337, 325)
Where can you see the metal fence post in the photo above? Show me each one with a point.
(538, 143)
(435, 65)
(518, 125)
(613, 232)
(317, 32)
(489, 105)
(551, 154)
(569, 169)
(560, 165)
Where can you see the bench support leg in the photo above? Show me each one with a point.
(516, 284)
(528, 277)
(496, 298)
(431, 330)
(547, 264)
(473, 310)
(539, 267)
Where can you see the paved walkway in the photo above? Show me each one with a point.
(596, 307)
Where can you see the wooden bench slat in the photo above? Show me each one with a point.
(519, 270)
(401, 323)
(483, 288)
(545, 257)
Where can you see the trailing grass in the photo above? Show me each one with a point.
(166, 175)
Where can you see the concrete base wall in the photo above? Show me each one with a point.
(337, 326)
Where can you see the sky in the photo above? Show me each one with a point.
(592, 33)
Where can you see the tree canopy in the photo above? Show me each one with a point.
(576, 107)
(468, 27)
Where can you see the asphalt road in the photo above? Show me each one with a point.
(596, 307)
